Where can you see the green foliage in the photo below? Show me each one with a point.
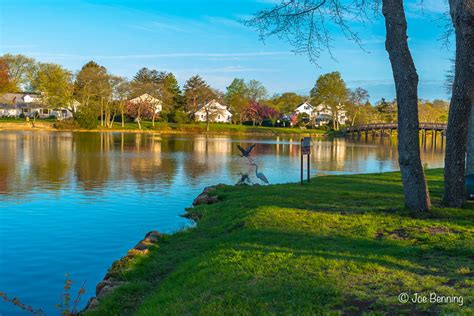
(179, 117)
(21, 70)
(287, 102)
(196, 91)
(330, 90)
(91, 86)
(256, 91)
(387, 111)
(340, 245)
(55, 83)
(86, 118)
(236, 98)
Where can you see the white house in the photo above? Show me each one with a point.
(305, 108)
(155, 103)
(217, 113)
(30, 104)
(321, 113)
(324, 114)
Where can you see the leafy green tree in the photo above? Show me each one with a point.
(237, 98)
(122, 91)
(21, 70)
(256, 91)
(387, 111)
(331, 91)
(170, 93)
(147, 75)
(287, 102)
(90, 89)
(195, 92)
(55, 83)
(357, 99)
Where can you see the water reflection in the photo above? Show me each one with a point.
(91, 161)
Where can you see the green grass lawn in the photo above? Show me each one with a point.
(341, 245)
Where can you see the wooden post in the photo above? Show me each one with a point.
(301, 164)
(308, 157)
(424, 138)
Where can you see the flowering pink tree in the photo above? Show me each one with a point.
(257, 112)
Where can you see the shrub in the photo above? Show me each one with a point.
(66, 124)
(86, 119)
(179, 117)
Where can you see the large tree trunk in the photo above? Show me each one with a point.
(470, 144)
(406, 84)
(462, 15)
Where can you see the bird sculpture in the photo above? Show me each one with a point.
(259, 175)
(246, 152)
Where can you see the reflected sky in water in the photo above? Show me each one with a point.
(75, 202)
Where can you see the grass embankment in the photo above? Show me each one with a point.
(160, 127)
(343, 244)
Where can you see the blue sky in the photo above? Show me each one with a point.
(191, 36)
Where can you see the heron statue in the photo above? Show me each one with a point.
(246, 152)
(259, 175)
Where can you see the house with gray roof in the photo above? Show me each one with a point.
(29, 104)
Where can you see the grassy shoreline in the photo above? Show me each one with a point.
(161, 128)
(340, 245)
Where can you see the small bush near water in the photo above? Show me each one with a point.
(67, 307)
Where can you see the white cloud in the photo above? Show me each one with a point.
(161, 55)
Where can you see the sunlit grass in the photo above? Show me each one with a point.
(343, 244)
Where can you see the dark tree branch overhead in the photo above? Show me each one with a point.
(305, 24)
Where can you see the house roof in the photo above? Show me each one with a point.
(16, 98)
(213, 104)
(145, 98)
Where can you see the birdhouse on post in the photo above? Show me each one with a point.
(305, 151)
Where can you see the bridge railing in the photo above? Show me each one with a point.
(388, 126)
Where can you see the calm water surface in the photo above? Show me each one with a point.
(75, 202)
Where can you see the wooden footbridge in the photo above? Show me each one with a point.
(388, 128)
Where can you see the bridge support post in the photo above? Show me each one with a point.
(424, 138)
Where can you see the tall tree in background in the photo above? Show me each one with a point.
(89, 88)
(287, 102)
(122, 92)
(195, 90)
(170, 93)
(6, 84)
(236, 98)
(55, 84)
(147, 75)
(306, 24)
(256, 91)
(150, 83)
(21, 70)
(462, 101)
(331, 91)
(386, 111)
(357, 99)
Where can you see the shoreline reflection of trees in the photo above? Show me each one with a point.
(35, 162)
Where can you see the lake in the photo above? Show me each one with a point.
(75, 202)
